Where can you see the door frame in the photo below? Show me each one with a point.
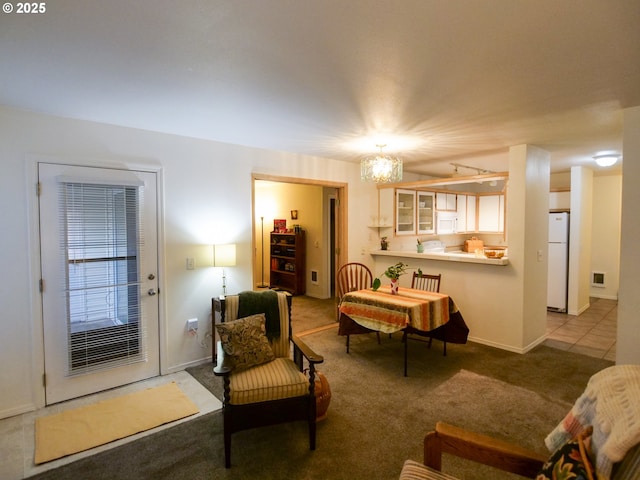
(341, 224)
(36, 323)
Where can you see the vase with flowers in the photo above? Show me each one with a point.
(384, 243)
(394, 272)
(420, 246)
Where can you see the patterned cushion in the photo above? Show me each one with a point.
(280, 346)
(570, 461)
(417, 471)
(245, 341)
(270, 381)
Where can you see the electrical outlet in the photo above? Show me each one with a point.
(191, 263)
(192, 326)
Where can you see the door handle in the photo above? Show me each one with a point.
(152, 292)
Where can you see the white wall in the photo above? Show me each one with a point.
(580, 240)
(605, 233)
(627, 350)
(207, 199)
(527, 237)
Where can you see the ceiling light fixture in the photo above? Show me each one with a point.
(381, 168)
(606, 160)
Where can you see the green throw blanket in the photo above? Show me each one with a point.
(250, 303)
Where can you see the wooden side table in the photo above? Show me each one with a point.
(216, 317)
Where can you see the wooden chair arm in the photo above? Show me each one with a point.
(307, 352)
(222, 367)
(479, 448)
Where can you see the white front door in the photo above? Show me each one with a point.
(98, 240)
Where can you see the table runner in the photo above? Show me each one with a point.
(381, 311)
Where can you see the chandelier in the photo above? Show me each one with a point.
(381, 168)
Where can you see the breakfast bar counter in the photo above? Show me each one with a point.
(443, 256)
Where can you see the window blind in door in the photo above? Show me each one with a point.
(101, 231)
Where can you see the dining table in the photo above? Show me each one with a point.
(412, 311)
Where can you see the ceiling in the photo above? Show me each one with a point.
(438, 81)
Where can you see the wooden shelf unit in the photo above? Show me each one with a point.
(288, 259)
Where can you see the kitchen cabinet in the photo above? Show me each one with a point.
(490, 213)
(560, 201)
(466, 205)
(446, 202)
(405, 212)
(472, 216)
(425, 211)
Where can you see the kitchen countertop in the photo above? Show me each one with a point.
(463, 257)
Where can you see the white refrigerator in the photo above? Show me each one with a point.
(558, 262)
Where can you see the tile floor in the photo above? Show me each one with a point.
(17, 433)
(592, 333)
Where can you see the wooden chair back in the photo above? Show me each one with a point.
(425, 281)
(351, 277)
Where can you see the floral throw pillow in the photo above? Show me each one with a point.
(571, 461)
(245, 341)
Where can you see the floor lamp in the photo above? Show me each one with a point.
(224, 256)
(262, 284)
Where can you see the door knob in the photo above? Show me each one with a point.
(152, 292)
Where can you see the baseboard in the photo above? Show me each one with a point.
(535, 343)
(12, 412)
(317, 296)
(501, 346)
(184, 366)
(606, 297)
(509, 348)
(579, 311)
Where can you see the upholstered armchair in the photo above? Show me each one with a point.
(263, 365)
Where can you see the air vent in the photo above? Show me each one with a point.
(597, 279)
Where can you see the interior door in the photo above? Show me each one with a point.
(98, 239)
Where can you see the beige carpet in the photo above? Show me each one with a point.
(87, 427)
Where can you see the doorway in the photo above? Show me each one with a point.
(320, 209)
(99, 269)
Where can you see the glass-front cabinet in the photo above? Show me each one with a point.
(405, 212)
(425, 202)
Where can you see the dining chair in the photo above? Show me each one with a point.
(425, 281)
(351, 277)
(430, 283)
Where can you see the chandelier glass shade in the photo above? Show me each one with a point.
(381, 168)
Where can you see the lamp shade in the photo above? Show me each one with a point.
(224, 255)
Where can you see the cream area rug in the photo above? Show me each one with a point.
(87, 427)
